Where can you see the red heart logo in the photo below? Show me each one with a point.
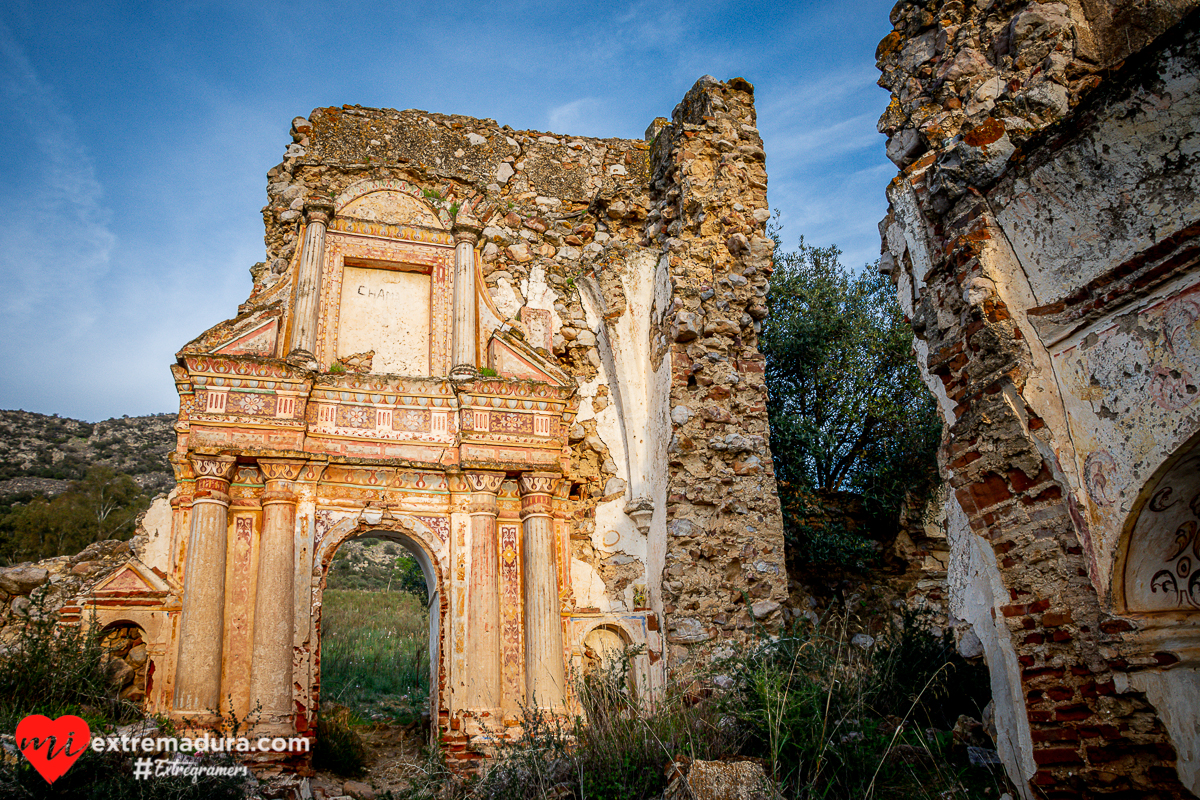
(52, 745)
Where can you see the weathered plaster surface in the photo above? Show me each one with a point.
(1042, 236)
(607, 446)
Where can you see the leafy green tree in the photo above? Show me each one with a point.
(408, 577)
(847, 407)
(104, 505)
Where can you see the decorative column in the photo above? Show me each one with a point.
(202, 630)
(463, 357)
(483, 600)
(303, 345)
(271, 662)
(545, 679)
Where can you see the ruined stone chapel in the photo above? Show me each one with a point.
(1043, 237)
(528, 358)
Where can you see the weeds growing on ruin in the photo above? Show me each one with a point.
(374, 653)
(54, 670)
(339, 749)
(826, 718)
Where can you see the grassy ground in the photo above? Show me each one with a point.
(374, 653)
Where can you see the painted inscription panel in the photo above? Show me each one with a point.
(386, 311)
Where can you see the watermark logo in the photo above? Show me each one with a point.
(52, 745)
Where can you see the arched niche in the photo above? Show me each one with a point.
(388, 201)
(127, 659)
(1158, 587)
(419, 541)
(1161, 564)
(602, 647)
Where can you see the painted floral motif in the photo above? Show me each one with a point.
(512, 423)
(413, 420)
(251, 403)
(356, 417)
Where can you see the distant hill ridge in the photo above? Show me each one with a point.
(42, 453)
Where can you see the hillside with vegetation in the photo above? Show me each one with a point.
(66, 483)
(44, 453)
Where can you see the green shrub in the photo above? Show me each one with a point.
(339, 748)
(56, 670)
(836, 721)
(53, 670)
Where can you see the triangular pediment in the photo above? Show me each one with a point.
(132, 578)
(253, 333)
(512, 357)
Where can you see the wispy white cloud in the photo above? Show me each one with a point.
(579, 117)
(55, 239)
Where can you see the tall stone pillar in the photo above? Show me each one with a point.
(545, 678)
(483, 609)
(307, 305)
(463, 357)
(274, 606)
(202, 630)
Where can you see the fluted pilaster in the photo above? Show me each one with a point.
(545, 676)
(202, 629)
(274, 605)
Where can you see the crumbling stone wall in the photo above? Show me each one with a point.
(583, 442)
(604, 236)
(1042, 237)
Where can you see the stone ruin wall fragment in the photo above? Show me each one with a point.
(1043, 235)
(620, 289)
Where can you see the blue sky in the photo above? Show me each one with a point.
(137, 137)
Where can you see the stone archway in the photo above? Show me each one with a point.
(127, 659)
(421, 543)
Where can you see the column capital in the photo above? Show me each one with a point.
(537, 490)
(213, 474)
(539, 482)
(281, 469)
(318, 210)
(485, 481)
(219, 467)
(466, 228)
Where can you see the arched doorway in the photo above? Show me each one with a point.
(412, 538)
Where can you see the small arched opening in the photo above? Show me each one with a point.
(610, 671)
(127, 661)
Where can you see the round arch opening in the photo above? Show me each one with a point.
(410, 543)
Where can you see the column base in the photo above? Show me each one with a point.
(463, 372)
